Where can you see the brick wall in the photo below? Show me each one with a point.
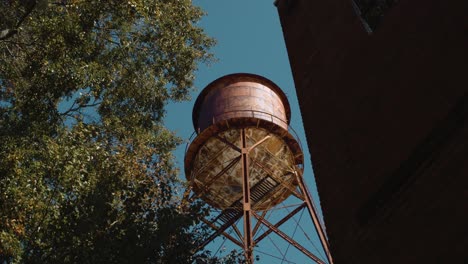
(386, 119)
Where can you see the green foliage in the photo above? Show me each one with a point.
(86, 170)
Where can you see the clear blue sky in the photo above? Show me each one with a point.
(250, 40)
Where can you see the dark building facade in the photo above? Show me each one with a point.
(383, 91)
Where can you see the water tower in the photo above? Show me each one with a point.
(244, 161)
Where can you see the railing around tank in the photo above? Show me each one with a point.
(254, 114)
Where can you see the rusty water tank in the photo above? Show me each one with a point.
(241, 95)
(257, 107)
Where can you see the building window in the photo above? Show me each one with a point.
(372, 11)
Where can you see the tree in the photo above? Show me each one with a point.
(86, 170)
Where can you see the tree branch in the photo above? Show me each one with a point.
(8, 33)
(79, 107)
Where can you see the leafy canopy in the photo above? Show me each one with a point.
(86, 170)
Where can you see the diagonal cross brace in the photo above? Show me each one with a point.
(288, 239)
(219, 231)
(228, 236)
(282, 221)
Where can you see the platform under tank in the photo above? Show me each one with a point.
(253, 106)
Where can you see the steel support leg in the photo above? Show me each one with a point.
(248, 239)
(314, 216)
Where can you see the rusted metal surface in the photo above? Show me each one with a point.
(240, 95)
(216, 130)
(218, 175)
(248, 238)
(245, 161)
(258, 224)
(314, 216)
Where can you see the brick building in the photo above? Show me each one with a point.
(383, 91)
